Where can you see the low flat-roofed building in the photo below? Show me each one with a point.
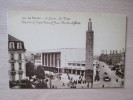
(67, 60)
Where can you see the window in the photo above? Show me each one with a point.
(69, 63)
(11, 45)
(19, 56)
(12, 66)
(20, 66)
(78, 64)
(19, 45)
(83, 64)
(74, 64)
(12, 56)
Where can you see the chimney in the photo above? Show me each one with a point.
(120, 51)
(113, 52)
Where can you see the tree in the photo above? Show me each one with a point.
(30, 71)
(26, 84)
(40, 72)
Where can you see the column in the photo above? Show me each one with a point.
(50, 60)
(54, 60)
(43, 59)
(13, 77)
(57, 57)
(71, 71)
(20, 77)
(76, 72)
(47, 59)
(80, 72)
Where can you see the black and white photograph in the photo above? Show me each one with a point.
(66, 50)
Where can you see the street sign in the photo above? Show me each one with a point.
(89, 75)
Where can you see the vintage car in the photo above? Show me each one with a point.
(71, 84)
(106, 78)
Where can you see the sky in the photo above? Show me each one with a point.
(41, 30)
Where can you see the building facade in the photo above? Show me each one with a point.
(113, 58)
(70, 60)
(37, 59)
(66, 60)
(16, 52)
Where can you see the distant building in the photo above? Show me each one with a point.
(29, 57)
(114, 58)
(16, 52)
(37, 59)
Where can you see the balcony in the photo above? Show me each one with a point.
(12, 61)
(12, 72)
(19, 61)
(20, 71)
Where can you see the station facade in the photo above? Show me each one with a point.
(66, 60)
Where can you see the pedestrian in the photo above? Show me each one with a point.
(76, 82)
(85, 81)
(122, 83)
(63, 84)
(53, 86)
(81, 79)
(103, 85)
(88, 85)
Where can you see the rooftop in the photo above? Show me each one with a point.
(11, 38)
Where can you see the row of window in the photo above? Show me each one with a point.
(19, 56)
(12, 45)
(51, 59)
(37, 61)
(76, 64)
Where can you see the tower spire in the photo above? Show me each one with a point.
(89, 54)
(89, 25)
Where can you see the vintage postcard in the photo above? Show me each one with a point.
(61, 50)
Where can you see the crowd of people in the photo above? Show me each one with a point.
(73, 82)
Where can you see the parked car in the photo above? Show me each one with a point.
(71, 84)
(113, 68)
(106, 78)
